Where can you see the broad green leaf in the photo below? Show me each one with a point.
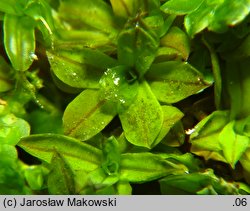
(174, 80)
(6, 77)
(77, 154)
(199, 19)
(94, 114)
(181, 7)
(11, 180)
(176, 39)
(232, 144)
(205, 135)
(197, 183)
(170, 116)
(97, 14)
(75, 72)
(216, 15)
(137, 46)
(119, 85)
(157, 24)
(142, 167)
(143, 120)
(19, 41)
(12, 129)
(60, 178)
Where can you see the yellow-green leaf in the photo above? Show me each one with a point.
(175, 80)
(232, 144)
(142, 121)
(19, 41)
(78, 155)
(87, 115)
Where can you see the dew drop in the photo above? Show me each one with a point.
(33, 56)
(190, 131)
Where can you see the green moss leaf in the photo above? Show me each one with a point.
(181, 7)
(19, 41)
(60, 178)
(142, 121)
(233, 145)
(81, 68)
(216, 15)
(197, 183)
(177, 40)
(199, 19)
(96, 14)
(229, 13)
(12, 129)
(142, 167)
(94, 115)
(77, 154)
(209, 129)
(137, 46)
(174, 80)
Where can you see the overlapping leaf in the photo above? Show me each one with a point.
(94, 115)
(206, 183)
(137, 46)
(81, 68)
(77, 154)
(143, 120)
(171, 115)
(142, 167)
(60, 178)
(205, 137)
(233, 145)
(216, 15)
(174, 80)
